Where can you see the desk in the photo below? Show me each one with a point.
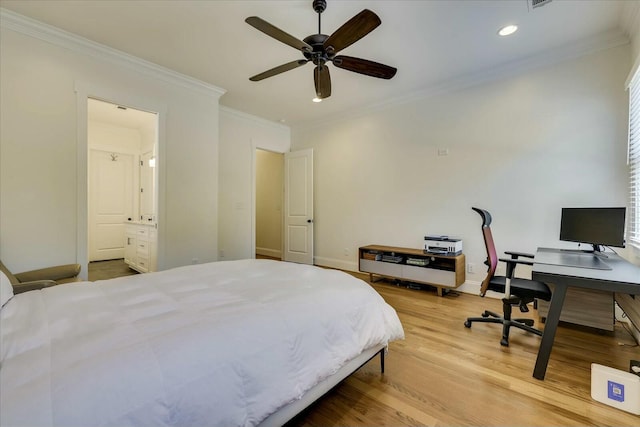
(620, 276)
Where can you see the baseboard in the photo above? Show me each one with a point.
(336, 263)
(273, 253)
(470, 287)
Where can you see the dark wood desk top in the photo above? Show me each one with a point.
(613, 273)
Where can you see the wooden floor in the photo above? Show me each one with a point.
(102, 270)
(443, 374)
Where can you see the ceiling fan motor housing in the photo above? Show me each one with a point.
(318, 54)
(319, 5)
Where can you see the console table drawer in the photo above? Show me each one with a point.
(429, 275)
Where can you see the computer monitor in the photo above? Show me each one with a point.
(595, 226)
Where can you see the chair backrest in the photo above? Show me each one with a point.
(492, 255)
(12, 279)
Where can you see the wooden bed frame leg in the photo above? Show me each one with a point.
(382, 361)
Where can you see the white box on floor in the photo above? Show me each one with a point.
(617, 388)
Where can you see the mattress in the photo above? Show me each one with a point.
(225, 343)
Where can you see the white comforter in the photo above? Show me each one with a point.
(224, 343)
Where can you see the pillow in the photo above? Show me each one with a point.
(6, 290)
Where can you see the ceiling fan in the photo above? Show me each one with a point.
(320, 49)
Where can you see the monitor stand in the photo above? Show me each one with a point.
(597, 252)
(571, 258)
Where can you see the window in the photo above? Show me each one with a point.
(633, 218)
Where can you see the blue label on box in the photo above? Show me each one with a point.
(615, 391)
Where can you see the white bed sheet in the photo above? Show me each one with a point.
(225, 343)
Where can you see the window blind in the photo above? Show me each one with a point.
(633, 218)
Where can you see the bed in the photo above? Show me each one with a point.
(226, 343)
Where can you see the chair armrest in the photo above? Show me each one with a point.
(515, 255)
(512, 263)
(21, 287)
(50, 273)
(515, 261)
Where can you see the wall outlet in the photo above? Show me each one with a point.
(346, 252)
(194, 260)
(471, 268)
(221, 253)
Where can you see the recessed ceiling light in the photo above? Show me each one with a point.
(507, 30)
(316, 99)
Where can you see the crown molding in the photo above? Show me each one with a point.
(602, 41)
(259, 120)
(39, 30)
(630, 19)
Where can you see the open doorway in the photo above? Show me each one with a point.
(269, 185)
(122, 178)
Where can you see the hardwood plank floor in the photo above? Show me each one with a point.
(102, 270)
(445, 374)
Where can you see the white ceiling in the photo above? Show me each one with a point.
(434, 44)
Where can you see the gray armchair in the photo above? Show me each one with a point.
(41, 278)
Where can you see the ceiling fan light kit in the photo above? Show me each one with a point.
(320, 49)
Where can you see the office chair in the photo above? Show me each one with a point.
(517, 292)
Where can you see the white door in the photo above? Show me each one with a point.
(298, 206)
(110, 203)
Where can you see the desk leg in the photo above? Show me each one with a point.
(549, 333)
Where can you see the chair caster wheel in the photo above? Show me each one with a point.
(504, 342)
(485, 314)
(467, 324)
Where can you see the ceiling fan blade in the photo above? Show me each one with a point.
(364, 66)
(352, 31)
(322, 80)
(277, 33)
(279, 69)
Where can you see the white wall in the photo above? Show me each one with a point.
(39, 133)
(240, 135)
(522, 148)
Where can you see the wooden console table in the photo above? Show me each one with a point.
(444, 272)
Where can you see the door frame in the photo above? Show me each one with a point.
(258, 146)
(84, 91)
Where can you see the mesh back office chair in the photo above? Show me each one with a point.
(517, 292)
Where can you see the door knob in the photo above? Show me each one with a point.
(309, 221)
